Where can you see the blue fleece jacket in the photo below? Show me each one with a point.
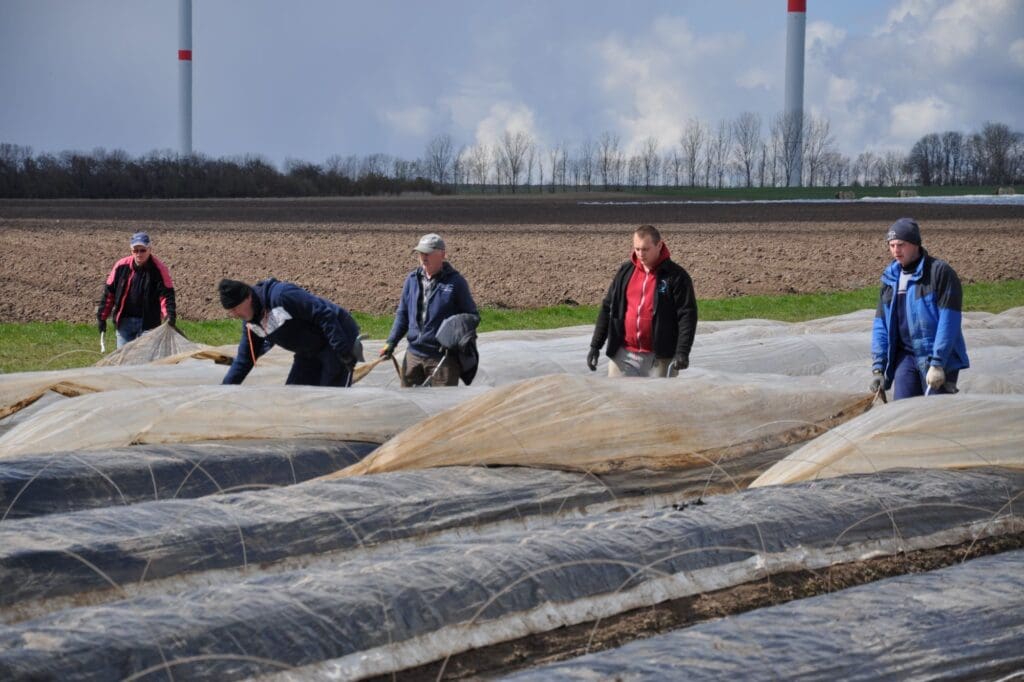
(451, 296)
(934, 300)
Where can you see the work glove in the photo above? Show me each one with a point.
(592, 358)
(679, 363)
(935, 378)
(101, 324)
(876, 381)
(387, 351)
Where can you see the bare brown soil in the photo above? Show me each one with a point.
(570, 642)
(516, 252)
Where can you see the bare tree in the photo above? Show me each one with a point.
(650, 161)
(746, 132)
(479, 163)
(672, 167)
(1000, 147)
(585, 162)
(952, 156)
(692, 143)
(817, 142)
(718, 147)
(438, 157)
(558, 156)
(608, 159)
(789, 128)
(513, 151)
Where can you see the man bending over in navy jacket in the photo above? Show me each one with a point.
(323, 336)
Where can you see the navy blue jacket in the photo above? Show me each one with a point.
(315, 325)
(933, 303)
(451, 296)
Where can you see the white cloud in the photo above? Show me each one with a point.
(823, 37)
(505, 116)
(1017, 52)
(911, 120)
(903, 11)
(416, 120)
(655, 82)
(841, 92)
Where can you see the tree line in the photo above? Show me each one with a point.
(732, 153)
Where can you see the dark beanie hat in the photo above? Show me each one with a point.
(232, 292)
(906, 230)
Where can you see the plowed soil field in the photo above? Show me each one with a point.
(516, 252)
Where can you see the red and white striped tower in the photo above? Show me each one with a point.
(185, 76)
(796, 26)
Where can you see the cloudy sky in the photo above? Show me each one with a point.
(307, 79)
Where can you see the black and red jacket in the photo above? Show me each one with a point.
(157, 291)
(672, 306)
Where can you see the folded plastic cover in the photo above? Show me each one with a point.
(195, 413)
(948, 431)
(155, 344)
(961, 622)
(391, 610)
(599, 424)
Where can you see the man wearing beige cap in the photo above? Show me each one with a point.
(432, 293)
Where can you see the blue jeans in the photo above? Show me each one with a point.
(908, 382)
(129, 329)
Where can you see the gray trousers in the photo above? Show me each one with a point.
(629, 364)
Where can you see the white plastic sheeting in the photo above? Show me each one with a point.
(383, 613)
(156, 344)
(945, 431)
(601, 425)
(194, 413)
(961, 622)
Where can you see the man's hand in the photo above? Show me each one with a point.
(935, 378)
(592, 358)
(171, 319)
(876, 381)
(101, 324)
(387, 351)
(679, 363)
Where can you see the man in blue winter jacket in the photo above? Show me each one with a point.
(432, 293)
(917, 344)
(323, 336)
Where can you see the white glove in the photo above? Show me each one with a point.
(935, 378)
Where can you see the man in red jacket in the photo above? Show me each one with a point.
(138, 293)
(649, 316)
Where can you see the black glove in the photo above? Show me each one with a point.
(876, 382)
(101, 324)
(170, 319)
(387, 352)
(592, 358)
(680, 362)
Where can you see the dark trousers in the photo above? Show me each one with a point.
(417, 369)
(908, 382)
(324, 369)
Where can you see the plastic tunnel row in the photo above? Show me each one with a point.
(962, 622)
(384, 613)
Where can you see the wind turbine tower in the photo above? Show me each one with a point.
(796, 27)
(185, 77)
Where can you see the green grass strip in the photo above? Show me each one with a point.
(61, 345)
